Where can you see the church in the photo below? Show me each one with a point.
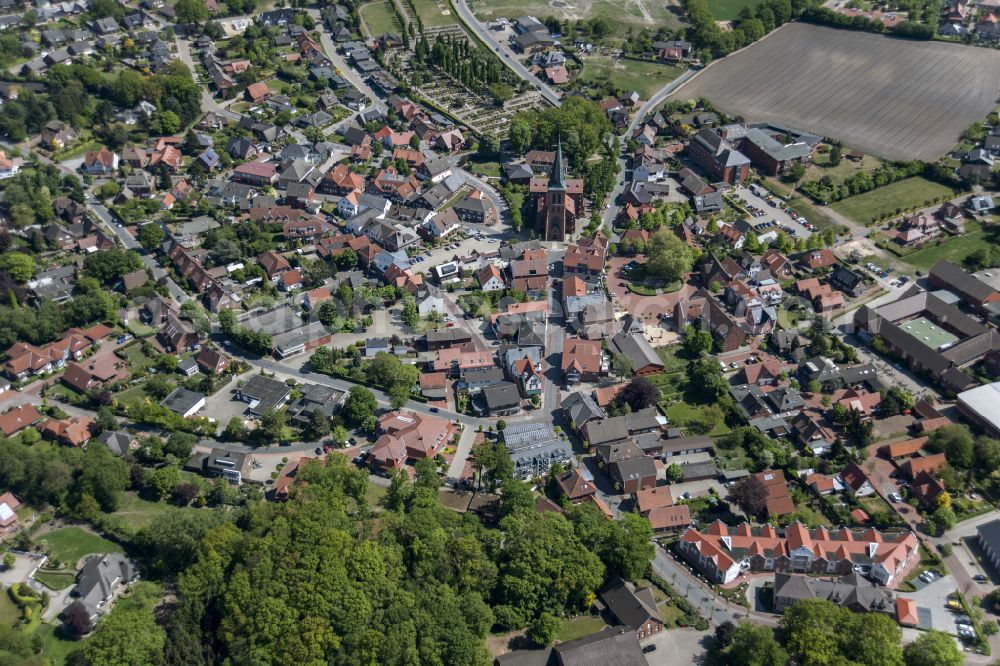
(556, 201)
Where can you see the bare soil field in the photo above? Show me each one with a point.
(895, 98)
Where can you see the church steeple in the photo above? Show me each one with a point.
(557, 179)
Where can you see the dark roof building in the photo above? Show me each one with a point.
(634, 608)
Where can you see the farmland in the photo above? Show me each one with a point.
(894, 98)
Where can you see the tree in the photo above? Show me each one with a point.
(235, 430)
(622, 365)
(180, 445)
(320, 424)
(410, 315)
(489, 145)
(942, 520)
(340, 435)
(185, 492)
(162, 481)
(639, 393)
(754, 645)
(493, 464)
(674, 473)
(359, 405)
(751, 494)
(544, 629)
(191, 11)
(956, 443)
(272, 425)
(933, 648)
(106, 419)
(9, 560)
(126, 637)
(76, 620)
(697, 341)
(398, 395)
(669, 257)
(20, 266)
(151, 235)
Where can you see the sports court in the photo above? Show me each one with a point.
(930, 334)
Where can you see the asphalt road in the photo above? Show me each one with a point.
(131, 243)
(654, 101)
(506, 55)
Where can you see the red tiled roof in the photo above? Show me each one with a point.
(15, 420)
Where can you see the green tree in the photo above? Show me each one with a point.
(956, 443)
(544, 629)
(933, 648)
(235, 430)
(20, 266)
(493, 464)
(151, 235)
(180, 445)
(697, 341)
(359, 405)
(674, 473)
(398, 396)
(124, 638)
(669, 257)
(410, 315)
(754, 645)
(162, 481)
(191, 11)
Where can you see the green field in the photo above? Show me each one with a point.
(579, 627)
(902, 195)
(681, 413)
(727, 10)
(9, 612)
(379, 19)
(434, 13)
(69, 544)
(954, 249)
(138, 513)
(621, 16)
(625, 74)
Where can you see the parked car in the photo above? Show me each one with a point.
(980, 578)
(953, 604)
(895, 497)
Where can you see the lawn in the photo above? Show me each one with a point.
(375, 494)
(379, 19)
(682, 413)
(812, 214)
(626, 74)
(902, 195)
(54, 648)
(579, 627)
(670, 615)
(69, 544)
(138, 513)
(137, 360)
(727, 10)
(132, 395)
(434, 13)
(954, 249)
(9, 612)
(55, 580)
(622, 16)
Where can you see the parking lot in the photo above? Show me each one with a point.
(766, 212)
(478, 238)
(932, 609)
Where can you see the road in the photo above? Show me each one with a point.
(640, 116)
(208, 102)
(716, 609)
(131, 243)
(509, 58)
(331, 52)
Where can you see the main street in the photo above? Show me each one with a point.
(509, 58)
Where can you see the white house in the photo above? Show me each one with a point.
(430, 301)
(349, 206)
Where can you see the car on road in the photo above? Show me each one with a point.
(319, 450)
(980, 578)
(649, 648)
(895, 497)
(434, 410)
(928, 576)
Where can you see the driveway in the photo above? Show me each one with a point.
(24, 567)
(678, 647)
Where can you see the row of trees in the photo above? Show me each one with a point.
(817, 633)
(753, 23)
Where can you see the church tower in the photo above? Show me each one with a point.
(555, 201)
